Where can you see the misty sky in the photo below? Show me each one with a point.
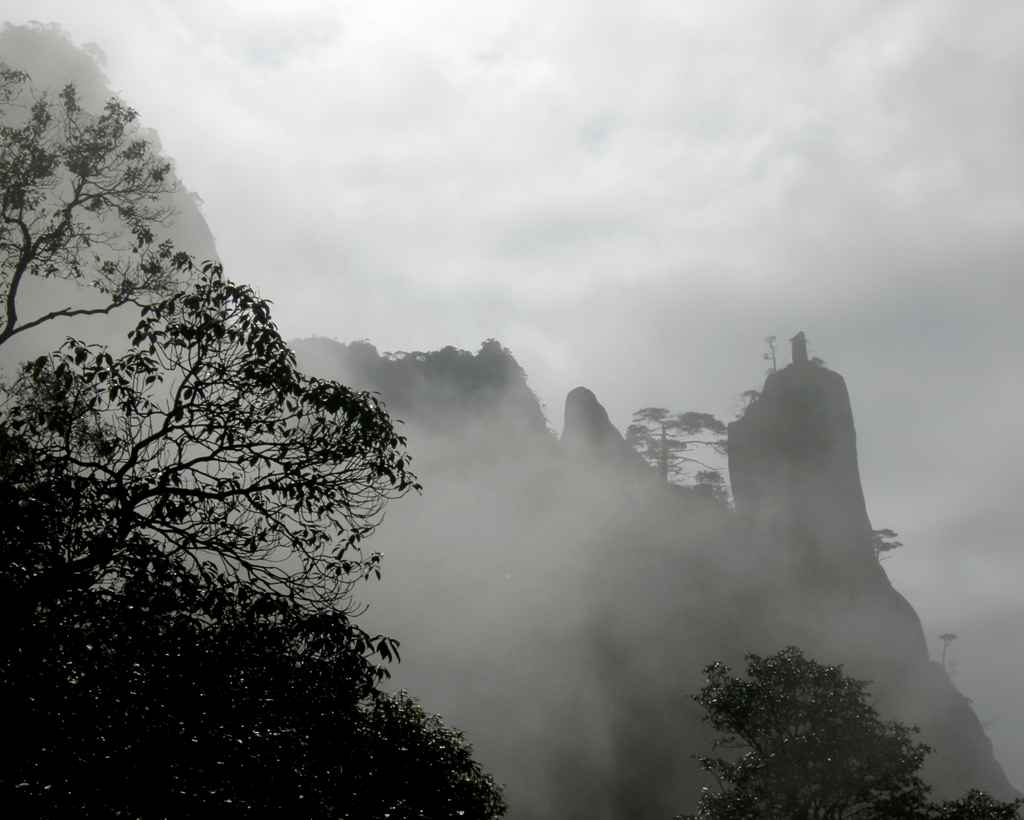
(631, 196)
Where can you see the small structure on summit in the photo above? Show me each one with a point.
(799, 343)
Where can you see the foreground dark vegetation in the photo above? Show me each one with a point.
(185, 522)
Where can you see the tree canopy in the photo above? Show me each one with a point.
(802, 740)
(184, 693)
(204, 438)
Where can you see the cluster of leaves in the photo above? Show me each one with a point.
(802, 740)
(428, 768)
(80, 196)
(205, 438)
(178, 693)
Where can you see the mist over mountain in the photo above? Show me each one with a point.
(558, 599)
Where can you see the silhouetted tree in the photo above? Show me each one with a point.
(975, 805)
(80, 195)
(884, 541)
(203, 438)
(803, 741)
(181, 523)
(426, 769)
(667, 441)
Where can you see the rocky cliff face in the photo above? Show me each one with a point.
(589, 435)
(794, 473)
(796, 484)
(443, 390)
(795, 443)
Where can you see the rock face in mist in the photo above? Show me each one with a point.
(448, 391)
(793, 466)
(565, 588)
(589, 435)
(796, 485)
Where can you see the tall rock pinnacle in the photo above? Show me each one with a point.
(588, 433)
(796, 483)
(793, 465)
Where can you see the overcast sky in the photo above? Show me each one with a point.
(631, 196)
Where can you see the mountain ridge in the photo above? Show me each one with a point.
(793, 564)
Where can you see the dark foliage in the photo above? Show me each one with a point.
(976, 805)
(203, 438)
(426, 769)
(178, 693)
(672, 443)
(174, 692)
(180, 524)
(803, 741)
